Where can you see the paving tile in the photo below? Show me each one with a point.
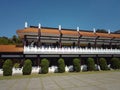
(102, 81)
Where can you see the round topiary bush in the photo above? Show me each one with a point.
(44, 66)
(103, 64)
(7, 68)
(76, 64)
(115, 63)
(90, 64)
(27, 67)
(61, 65)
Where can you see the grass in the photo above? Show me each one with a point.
(36, 75)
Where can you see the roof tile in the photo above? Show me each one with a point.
(10, 48)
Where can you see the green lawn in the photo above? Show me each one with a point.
(36, 75)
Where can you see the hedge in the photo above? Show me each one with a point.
(103, 64)
(61, 65)
(27, 67)
(44, 66)
(115, 63)
(7, 68)
(90, 64)
(76, 64)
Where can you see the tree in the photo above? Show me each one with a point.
(7, 68)
(76, 64)
(117, 32)
(44, 66)
(101, 31)
(90, 64)
(4, 40)
(115, 63)
(14, 38)
(61, 65)
(103, 64)
(27, 67)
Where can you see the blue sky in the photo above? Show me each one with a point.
(87, 14)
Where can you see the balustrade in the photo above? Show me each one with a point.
(51, 50)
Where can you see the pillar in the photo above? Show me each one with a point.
(110, 44)
(97, 62)
(79, 42)
(39, 39)
(95, 43)
(80, 59)
(38, 60)
(60, 41)
(0, 61)
(24, 40)
(79, 39)
(60, 55)
(22, 61)
(97, 59)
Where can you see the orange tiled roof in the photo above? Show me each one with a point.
(35, 30)
(87, 34)
(115, 35)
(27, 30)
(10, 48)
(66, 32)
(49, 31)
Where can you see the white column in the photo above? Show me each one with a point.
(108, 31)
(78, 29)
(59, 27)
(39, 26)
(94, 31)
(26, 24)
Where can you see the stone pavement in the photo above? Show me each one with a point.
(96, 81)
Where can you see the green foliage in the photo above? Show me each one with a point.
(61, 65)
(16, 65)
(27, 67)
(13, 40)
(76, 64)
(7, 68)
(103, 64)
(16, 40)
(101, 31)
(5, 40)
(115, 63)
(44, 66)
(90, 64)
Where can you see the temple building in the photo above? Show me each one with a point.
(53, 43)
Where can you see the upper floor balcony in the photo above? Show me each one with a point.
(68, 50)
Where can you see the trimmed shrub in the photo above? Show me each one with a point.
(27, 67)
(7, 68)
(76, 64)
(115, 63)
(61, 65)
(90, 64)
(103, 64)
(44, 66)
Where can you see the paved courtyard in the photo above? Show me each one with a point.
(95, 81)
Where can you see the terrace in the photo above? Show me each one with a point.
(68, 50)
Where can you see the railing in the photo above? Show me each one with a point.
(50, 50)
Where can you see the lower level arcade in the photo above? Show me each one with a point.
(53, 59)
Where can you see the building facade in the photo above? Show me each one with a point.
(53, 43)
